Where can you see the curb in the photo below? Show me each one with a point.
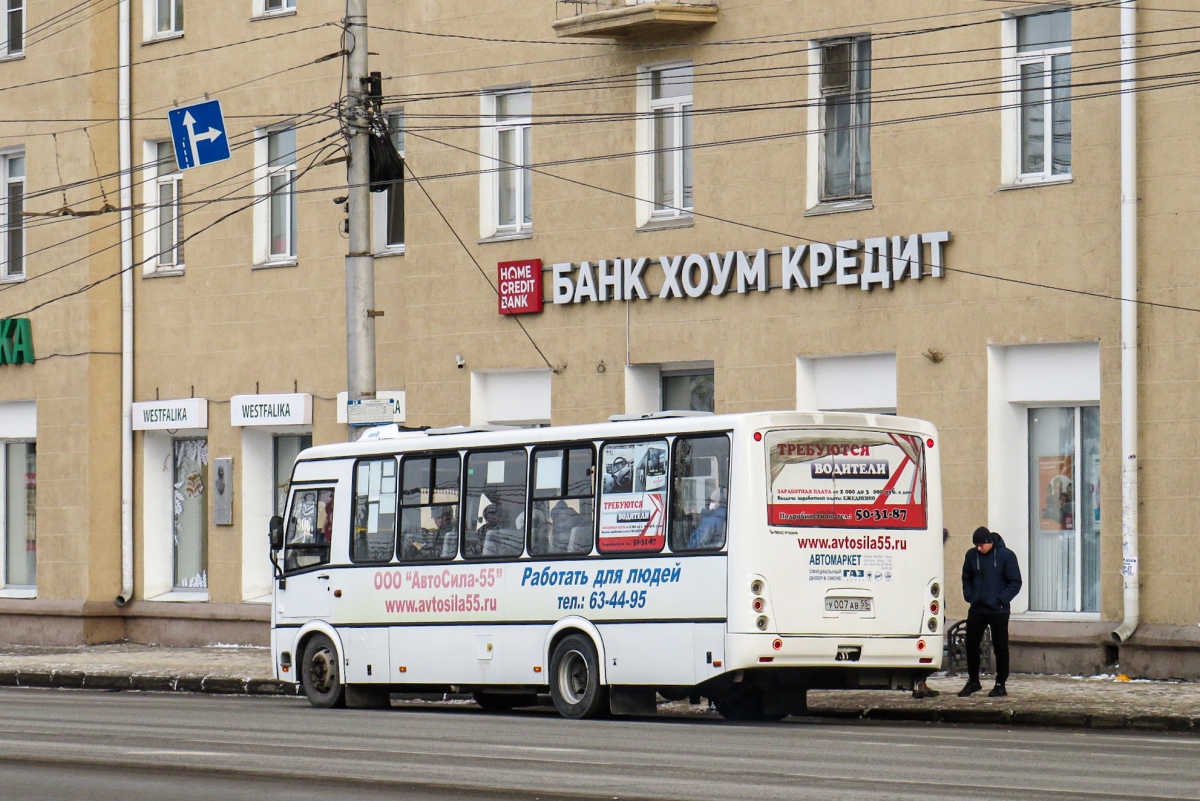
(212, 685)
(1009, 717)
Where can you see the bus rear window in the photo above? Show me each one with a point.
(845, 479)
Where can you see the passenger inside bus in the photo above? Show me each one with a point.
(710, 531)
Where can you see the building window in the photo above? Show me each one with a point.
(278, 6)
(164, 241)
(845, 95)
(388, 210)
(277, 227)
(286, 448)
(1037, 73)
(190, 513)
(671, 118)
(508, 181)
(1064, 504)
(18, 504)
(688, 390)
(168, 17)
(12, 221)
(14, 29)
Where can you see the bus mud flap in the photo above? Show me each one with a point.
(632, 701)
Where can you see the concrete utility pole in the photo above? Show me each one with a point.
(360, 262)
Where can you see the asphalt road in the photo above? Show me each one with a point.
(69, 745)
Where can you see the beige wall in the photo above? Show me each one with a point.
(225, 328)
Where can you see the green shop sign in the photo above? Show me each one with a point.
(16, 341)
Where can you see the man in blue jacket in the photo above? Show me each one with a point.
(991, 578)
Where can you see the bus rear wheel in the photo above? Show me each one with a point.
(575, 679)
(320, 674)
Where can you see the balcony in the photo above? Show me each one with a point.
(632, 19)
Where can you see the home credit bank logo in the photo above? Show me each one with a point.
(520, 286)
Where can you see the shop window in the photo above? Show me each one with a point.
(285, 447)
(688, 390)
(564, 490)
(1064, 503)
(1037, 99)
(495, 499)
(429, 508)
(190, 513)
(309, 529)
(700, 493)
(633, 497)
(18, 503)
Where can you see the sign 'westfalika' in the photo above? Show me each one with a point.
(16, 341)
(879, 261)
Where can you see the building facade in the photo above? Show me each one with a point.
(612, 207)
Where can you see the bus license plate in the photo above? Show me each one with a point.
(847, 604)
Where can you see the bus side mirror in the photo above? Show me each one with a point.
(276, 533)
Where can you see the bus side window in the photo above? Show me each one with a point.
(374, 532)
(429, 508)
(309, 529)
(700, 493)
(495, 500)
(564, 491)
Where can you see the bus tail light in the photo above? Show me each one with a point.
(921, 646)
(762, 622)
(777, 644)
(756, 586)
(934, 607)
(933, 624)
(758, 604)
(935, 589)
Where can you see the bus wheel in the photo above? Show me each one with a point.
(320, 674)
(743, 703)
(575, 679)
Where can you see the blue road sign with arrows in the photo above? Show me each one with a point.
(198, 132)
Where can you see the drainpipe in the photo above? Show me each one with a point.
(126, 181)
(1129, 325)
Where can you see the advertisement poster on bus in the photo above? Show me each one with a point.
(846, 479)
(634, 497)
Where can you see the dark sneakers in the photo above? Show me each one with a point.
(925, 692)
(998, 692)
(971, 688)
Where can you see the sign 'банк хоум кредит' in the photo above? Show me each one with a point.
(16, 341)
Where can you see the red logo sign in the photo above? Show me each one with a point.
(520, 286)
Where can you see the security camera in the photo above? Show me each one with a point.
(460, 361)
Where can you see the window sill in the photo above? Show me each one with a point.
(19, 593)
(13, 56)
(163, 37)
(667, 223)
(12, 279)
(839, 206)
(1066, 179)
(385, 254)
(507, 237)
(270, 265)
(1065, 617)
(287, 12)
(182, 596)
(166, 272)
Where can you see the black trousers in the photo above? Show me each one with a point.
(976, 623)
